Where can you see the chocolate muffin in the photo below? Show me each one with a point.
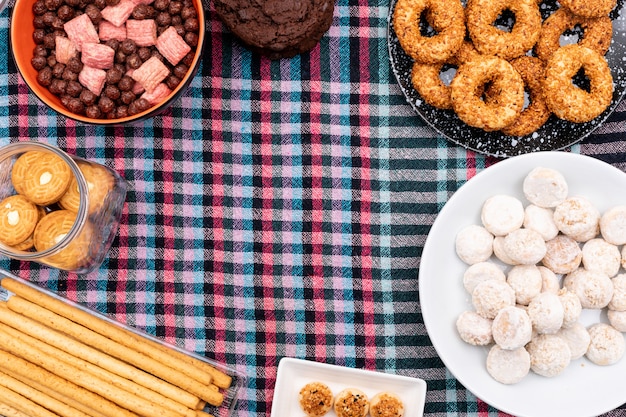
(277, 28)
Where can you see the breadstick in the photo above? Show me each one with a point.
(38, 397)
(85, 366)
(8, 411)
(17, 365)
(105, 389)
(76, 348)
(54, 394)
(23, 404)
(112, 348)
(104, 328)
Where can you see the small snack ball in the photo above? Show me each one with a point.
(618, 301)
(474, 328)
(549, 280)
(607, 345)
(541, 220)
(474, 244)
(593, 288)
(501, 214)
(545, 187)
(578, 339)
(386, 404)
(563, 255)
(572, 309)
(512, 328)
(525, 246)
(624, 257)
(315, 399)
(491, 296)
(577, 218)
(549, 355)
(598, 254)
(508, 366)
(482, 271)
(498, 250)
(546, 313)
(617, 319)
(526, 281)
(613, 225)
(351, 402)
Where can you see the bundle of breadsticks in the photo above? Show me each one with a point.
(59, 360)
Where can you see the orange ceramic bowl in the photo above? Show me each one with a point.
(22, 46)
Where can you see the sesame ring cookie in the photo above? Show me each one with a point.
(508, 366)
(545, 187)
(613, 225)
(589, 8)
(598, 254)
(474, 244)
(577, 218)
(565, 99)
(18, 218)
(315, 399)
(45, 180)
(474, 329)
(501, 109)
(447, 17)
(546, 313)
(578, 339)
(536, 114)
(386, 404)
(563, 255)
(512, 328)
(351, 402)
(502, 214)
(549, 355)
(597, 32)
(489, 40)
(99, 183)
(525, 246)
(607, 344)
(480, 272)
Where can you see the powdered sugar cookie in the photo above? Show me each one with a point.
(613, 225)
(315, 399)
(491, 296)
(549, 355)
(549, 280)
(525, 246)
(607, 345)
(512, 328)
(618, 301)
(545, 187)
(526, 281)
(500, 253)
(474, 244)
(600, 255)
(624, 257)
(577, 218)
(572, 308)
(593, 288)
(351, 402)
(617, 319)
(578, 339)
(474, 328)
(479, 272)
(541, 220)
(563, 255)
(386, 404)
(546, 313)
(508, 366)
(501, 214)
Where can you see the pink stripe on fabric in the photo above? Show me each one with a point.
(470, 162)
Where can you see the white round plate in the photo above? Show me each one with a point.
(583, 389)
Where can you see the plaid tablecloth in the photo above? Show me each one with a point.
(278, 209)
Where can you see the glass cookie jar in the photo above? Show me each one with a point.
(55, 209)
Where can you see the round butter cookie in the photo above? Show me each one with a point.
(43, 178)
(52, 229)
(99, 184)
(277, 28)
(18, 218)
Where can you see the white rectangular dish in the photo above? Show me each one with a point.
(293, 374)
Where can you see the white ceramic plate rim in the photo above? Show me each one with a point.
(294, 373)
(584, 389)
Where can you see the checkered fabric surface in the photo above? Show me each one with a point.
(277, 209)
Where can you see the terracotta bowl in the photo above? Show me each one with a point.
(22, 46)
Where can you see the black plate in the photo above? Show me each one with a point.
(555, 134)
